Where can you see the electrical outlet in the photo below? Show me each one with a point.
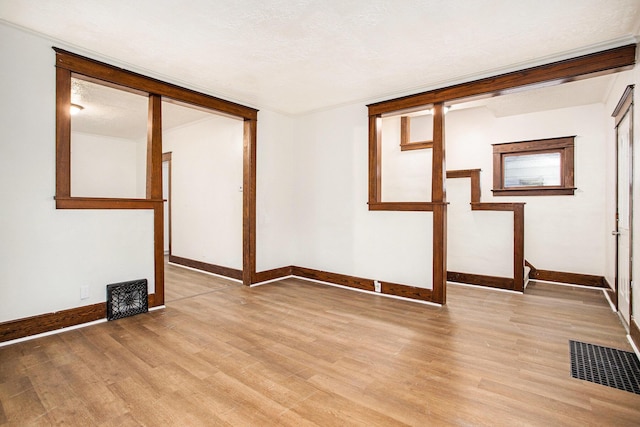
(377, 286)
(84, 292)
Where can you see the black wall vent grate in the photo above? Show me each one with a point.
(604, 365)
(127, 299)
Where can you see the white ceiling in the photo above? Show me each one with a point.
(120, 114)
(296, 56)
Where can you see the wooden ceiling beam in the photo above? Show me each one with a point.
(592, 65)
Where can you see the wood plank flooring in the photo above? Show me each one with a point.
(296, 353)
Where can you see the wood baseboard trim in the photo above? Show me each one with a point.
(481, 280)
(20, 328)
(42, 323)
(274, 274)
(210, 268)
(570, 278)
(634, 333)
(387, 288)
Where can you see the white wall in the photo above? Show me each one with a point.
(206, 181)
(104, 166)
(46, 254)
(335, 231)
(276, 213)
(562, 233)
(478, 242)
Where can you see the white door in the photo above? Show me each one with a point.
(625, 174)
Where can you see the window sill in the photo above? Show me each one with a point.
(535, 191)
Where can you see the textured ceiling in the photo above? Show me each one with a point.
(296, 56)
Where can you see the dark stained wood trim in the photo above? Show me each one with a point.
(518, 247)
(154, 148)
(535, 191)
(405, 130)
(403, 206)
(634, 332)
(102, 203)
(474, 174)
(440, 254)
(544, 144)
(532, 269)
(336, 278)
(438, 168)
(419, 145)
(20, 328)
(462, 173)
(108, 73)
(249, 202)
(411, 292)
(570, 278)
(63, 133)
(154, 191)
(39, 324)
(211, 268)
(405, 137)
(158, 252)
(276, 273)
(495, 206)
(375, 160)
(481, 280)
(387, 288)
(600, 63)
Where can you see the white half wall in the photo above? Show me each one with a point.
(48, 254)
(335, 230)
(478, 242)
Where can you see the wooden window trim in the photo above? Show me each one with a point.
(563, 145)
(405, 137)
(68, 64)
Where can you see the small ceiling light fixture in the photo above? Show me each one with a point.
(75, 109)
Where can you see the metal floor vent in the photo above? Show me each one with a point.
(604, 365)
(127, 299)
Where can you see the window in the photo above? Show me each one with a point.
(542, 167)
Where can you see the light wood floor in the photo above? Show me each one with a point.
(299, 353)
